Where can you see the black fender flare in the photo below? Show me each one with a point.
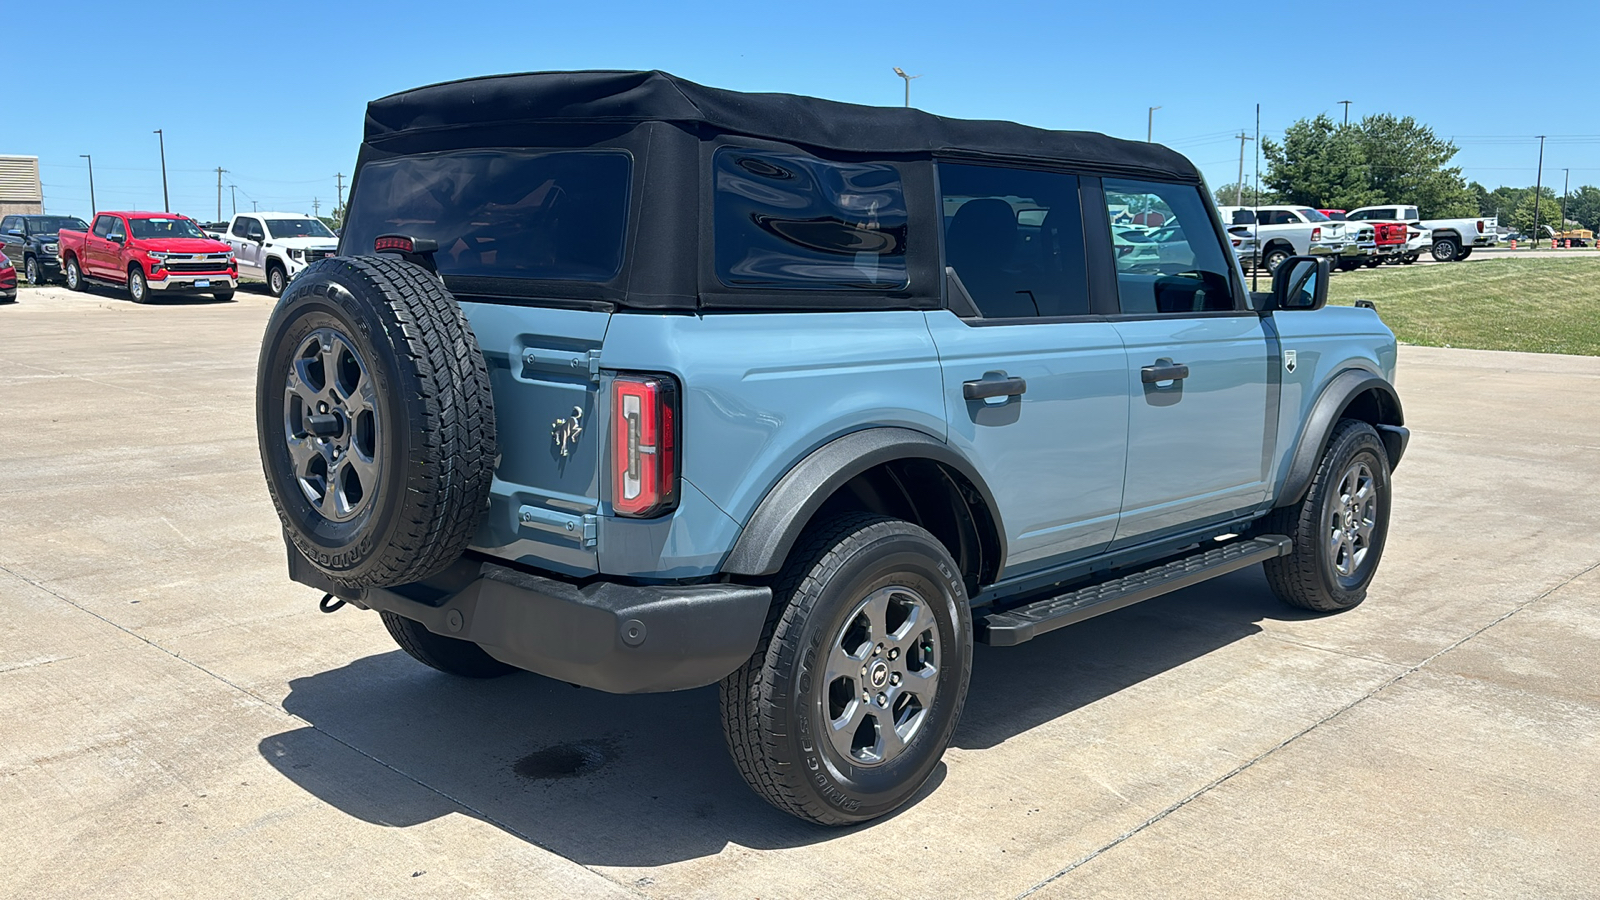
(1324, 416)
(783, 513)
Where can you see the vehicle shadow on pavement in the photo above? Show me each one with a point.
(645, 780)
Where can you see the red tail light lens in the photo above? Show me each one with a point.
(1316, 233)
(644, 440)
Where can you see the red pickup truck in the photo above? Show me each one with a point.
(146, 251)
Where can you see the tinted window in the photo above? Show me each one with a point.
(785, 220)
(1313, 215)
(558, 215)
(1015, 239)
(102, 225)
(156, 229)
(1244, 217)
(1177, 269)
(241, 227)
(296, 228)
(52, 224)
(8, 223)
(1410, 212)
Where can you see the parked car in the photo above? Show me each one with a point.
(798, 397)
(1279, 232)
(147, 251)
(30, 241)
(214, 230)
(275, 247)
(1451, 239)
(8, 280)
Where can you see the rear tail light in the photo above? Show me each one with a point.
(1480, 226)
(1316, 234)
(644, 435)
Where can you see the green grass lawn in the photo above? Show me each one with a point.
(1548, 305)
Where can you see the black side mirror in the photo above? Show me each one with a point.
(1301, 282)
(15, 232)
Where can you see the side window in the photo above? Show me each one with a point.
(254, 230)
(1410, 213)
(794, 222)
(9, 223)
(102, 226)
(117, 229)
(240, 227)
(1244, 217)
(1015, 239)
(1174, 270)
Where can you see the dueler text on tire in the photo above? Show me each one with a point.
(853, 692)
(375, 421)
(1339, 528)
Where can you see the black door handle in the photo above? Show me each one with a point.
(1163, 371)
(984, 389)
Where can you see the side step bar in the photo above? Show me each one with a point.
(1017, 624)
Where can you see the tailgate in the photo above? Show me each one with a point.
(544, 368)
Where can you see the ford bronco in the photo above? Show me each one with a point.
(646, 386)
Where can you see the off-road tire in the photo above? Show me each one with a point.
(1445, 250)
(1306, 577)
(771, 707)
(449, 655)
(138, 285)
(435, 445)
(74, 275)
(277, 279)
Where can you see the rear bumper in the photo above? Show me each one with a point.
(184, 281)
(620, 638)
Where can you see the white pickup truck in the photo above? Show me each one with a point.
(274, 246)
(1268, 235)
(1450, 239)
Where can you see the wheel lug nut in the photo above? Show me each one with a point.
(877, 650)
(883, 699)
(866, 697)
(895, 678)
(894, 653)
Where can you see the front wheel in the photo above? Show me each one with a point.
(853, 692)
(1445, 250)
(1339, 528)
(223, 295)
(277, 280)
(74, 275)
(138, 288)
(30, 270)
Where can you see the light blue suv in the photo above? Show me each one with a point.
(646, 386)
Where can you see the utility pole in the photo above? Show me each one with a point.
(166, 204)
(252, 206)
(1238, 194)
(220, 170)
(316, 208)
(1538, 186)
(338, 181)
(1150, 124)
(1346, 111)
(92, 208)
(233, 197)
(901, 72)
(1566, 182)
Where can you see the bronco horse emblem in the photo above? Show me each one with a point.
(565, 432)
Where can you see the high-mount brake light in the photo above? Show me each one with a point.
(644, 435)
(393, 242)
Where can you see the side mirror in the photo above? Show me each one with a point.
(1301, 282)
(116, 238)
(15, 232)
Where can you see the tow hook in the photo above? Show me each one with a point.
(329, 603)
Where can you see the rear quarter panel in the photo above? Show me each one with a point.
(1325, 342)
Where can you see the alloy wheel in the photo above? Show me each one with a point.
(1352, 520)
(31, 269)
(881, 676)
(331, 425)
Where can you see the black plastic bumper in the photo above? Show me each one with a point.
(625, 639)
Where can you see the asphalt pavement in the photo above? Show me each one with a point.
(180, 721)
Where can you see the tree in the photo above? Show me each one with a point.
(1407, 163)
(1549, 208)
(1319, 165)
(1583, 207)
(1228, 193)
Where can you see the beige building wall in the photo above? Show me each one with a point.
(21, 192)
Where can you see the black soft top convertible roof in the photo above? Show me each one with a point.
(620, 98)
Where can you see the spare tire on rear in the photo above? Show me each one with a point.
(375, 421)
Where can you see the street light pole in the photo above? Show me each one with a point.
(1346, 111)
(166, 204)
(1538, 186)
(901, 72)
(92, 208)
(1150, 125)
(1566, 182)
(1238, 192)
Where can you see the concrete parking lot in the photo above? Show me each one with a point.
(178, 720)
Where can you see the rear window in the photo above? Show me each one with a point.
(795, 222)
(558, 215)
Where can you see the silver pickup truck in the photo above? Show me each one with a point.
(1452, 239)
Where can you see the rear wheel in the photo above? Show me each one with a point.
(1274, 258)
(1339, 528)
(1409, 258)
(1465, 252)
(1445, 250)
(450, 655)
(138, 288)
(74, 275)
(854, 690)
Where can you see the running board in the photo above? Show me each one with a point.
(1024, 623)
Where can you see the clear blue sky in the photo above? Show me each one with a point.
(274, 92)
